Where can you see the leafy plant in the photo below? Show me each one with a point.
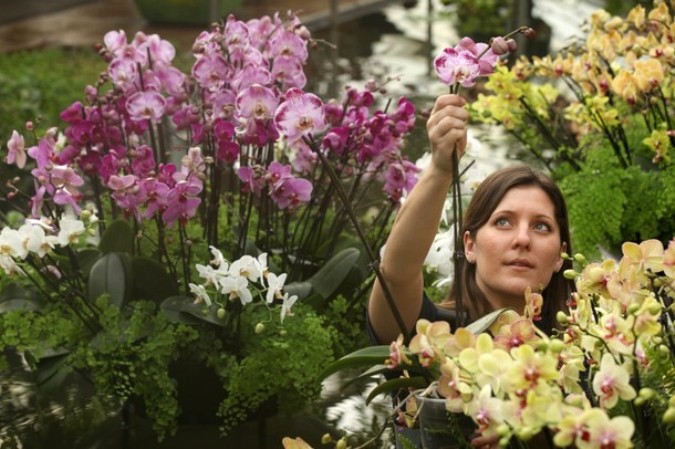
(203, 218)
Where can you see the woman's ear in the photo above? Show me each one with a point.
(469, 248)
(559, 263)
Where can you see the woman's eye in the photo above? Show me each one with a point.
(542, 227)
(501, 222)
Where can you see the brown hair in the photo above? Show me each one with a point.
(466, 294)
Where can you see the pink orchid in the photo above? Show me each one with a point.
(288, 72)
(17, 153)
(454, 67)
(487, 58)
(299, 115)
(257, 102)
(146, 106)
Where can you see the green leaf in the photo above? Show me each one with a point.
(302, 289)
(51, 372)
(86, 258)
(182, 309)
(325, 281)
(16, 297)
(482, 324)
(118, 237)
(369, 356)
(111, 274)
(396, 384)
(151, 281)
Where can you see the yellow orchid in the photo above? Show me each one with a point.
(429, 340)
(295, 443)
(612, 382)
(648, 74)
(659, 142)
(647, 255)
(669, 260)
(636, 17)
(530, 370)
(603, 431)
(625, 86)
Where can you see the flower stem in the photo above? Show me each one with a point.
(335, 181)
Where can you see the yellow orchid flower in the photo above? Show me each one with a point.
(625, 86)
(659, 143)
(648, 74)
(636, 17)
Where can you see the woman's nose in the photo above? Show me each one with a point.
(522, 237)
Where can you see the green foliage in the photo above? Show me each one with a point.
(284, 370)
(348, 319)
(41, 83)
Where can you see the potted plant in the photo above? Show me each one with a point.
(180, 218)
(601, 381)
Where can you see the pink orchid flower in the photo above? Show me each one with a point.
(17, 153)
(256, 101)
(301, 114)
(457, 67)
(146, 106)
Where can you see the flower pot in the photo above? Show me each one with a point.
(440, 429)
(186, 12)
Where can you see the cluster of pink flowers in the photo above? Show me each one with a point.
(244, 94)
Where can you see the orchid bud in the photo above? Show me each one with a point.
(556, 345)
(326, 438)
(29, 125)
(669, 416)
(632, 309)
(512, 44)
(561, 317)
(580, 258)
(647, 393)
(341, 444)
(499, 46)
(569, 274)
(259, 328)
(221, 313)
(639, 401)
(529, 33)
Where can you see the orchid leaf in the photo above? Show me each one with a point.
(111, 274)
(16, 297)
(182, 309)
(325, 281)
(118, 237)
(162, 286)
(482, 324)
(86, 258)
(396, 384)
(369, 356)
(369, 373)
(301, 289)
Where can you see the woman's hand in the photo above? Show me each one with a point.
(446, 128)
(482, 442)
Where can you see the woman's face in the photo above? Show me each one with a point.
(518, 247)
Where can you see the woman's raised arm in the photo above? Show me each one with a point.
(417, 221)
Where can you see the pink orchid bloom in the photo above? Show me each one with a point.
(256, 101)
(289, 44)
(455, 67)
(251, 74)
(487, 59)
(17, 153)
(146, 106)
(288, 72)
(301, 114)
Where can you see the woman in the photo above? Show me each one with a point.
(515, 229)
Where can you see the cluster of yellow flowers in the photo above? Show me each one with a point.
(604, 380)
(629, 59)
